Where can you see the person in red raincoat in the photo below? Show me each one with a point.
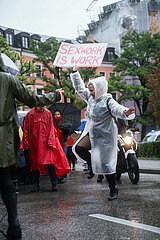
(46, 153)
(57, 123)
(62, 136)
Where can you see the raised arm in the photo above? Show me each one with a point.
(28, 97)
(79, 85)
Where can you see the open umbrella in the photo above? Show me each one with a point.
(9, 65)
(69, 113)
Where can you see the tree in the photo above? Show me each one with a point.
(45, 53)
(139, 50)
(26, 68)
(153, 83)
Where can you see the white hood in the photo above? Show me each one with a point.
(100, 85)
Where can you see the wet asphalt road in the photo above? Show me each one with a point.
(65, 215)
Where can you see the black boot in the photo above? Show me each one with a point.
(113, 187)
(100, 178)
(90, 175)
(10, 200)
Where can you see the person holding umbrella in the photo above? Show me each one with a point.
(98, 142)
(62, 132)
(10, 88)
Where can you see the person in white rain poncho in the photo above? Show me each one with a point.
(98, 143)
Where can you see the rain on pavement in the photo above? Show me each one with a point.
(71, 213)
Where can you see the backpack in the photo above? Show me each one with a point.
(121, 123)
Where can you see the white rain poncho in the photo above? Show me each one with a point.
(101, 125)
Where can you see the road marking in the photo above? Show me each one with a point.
(126, 222)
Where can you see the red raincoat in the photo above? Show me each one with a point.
(40, 136)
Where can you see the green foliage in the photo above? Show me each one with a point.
(8, 50)
(80, 104)
(26, 68)
(87, 73)
(136, 60)
(45, 53)
(150, 149)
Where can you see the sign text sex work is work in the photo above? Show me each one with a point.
(82, 55)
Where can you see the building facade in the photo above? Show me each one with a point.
(20, 41)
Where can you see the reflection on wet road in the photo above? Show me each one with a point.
(66, 214)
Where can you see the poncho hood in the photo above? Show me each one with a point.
(100, 85)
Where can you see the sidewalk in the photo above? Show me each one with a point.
(145, 166)
(149, 166)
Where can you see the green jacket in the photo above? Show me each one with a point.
(10, 88)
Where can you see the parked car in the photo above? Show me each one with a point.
(152, 136)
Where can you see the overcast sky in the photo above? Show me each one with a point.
(57, 18)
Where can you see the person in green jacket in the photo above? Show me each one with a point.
(10, 88)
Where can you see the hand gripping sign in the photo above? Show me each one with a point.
(82, 55)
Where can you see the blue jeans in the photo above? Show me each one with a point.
(52, 174)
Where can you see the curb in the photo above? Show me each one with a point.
(149, 171)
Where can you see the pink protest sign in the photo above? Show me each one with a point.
(82, 55)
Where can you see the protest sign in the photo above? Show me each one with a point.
(82, 55)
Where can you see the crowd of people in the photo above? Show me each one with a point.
(45, 138)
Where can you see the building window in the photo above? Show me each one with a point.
(114, 95)
(38, 69)
(110, 55)
(9, 38)
(30, 87)
(102, 74)
(39, 89)
(26, 72)
(37, 43)
(112, 74)
(25, 42)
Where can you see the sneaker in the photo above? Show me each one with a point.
(113, 195)
(90, 175)
(73, 168)
(100, 178)
(35, 189)
(54, 188)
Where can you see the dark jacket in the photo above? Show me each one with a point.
(10, 88)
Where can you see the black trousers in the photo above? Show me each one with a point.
(84, 153)
(5, 178)
(9, 197)
(111, 181)
(82, 149)
(52, 174)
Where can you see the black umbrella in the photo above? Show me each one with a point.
(70, 114)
